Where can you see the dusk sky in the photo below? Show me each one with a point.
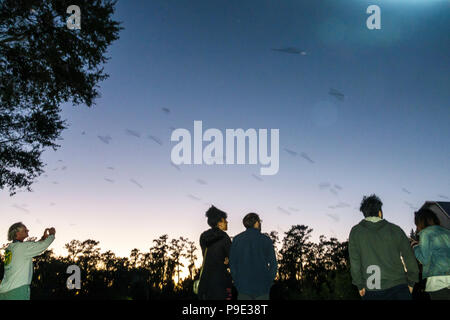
(213, 61)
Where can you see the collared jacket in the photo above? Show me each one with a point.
(433, 251)
(253, 263)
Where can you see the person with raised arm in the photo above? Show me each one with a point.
(19, 261)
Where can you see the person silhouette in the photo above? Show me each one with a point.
(215, 280)
(433, 252)
(253, 262)
(382, 263)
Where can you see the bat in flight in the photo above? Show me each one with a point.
(291, 50)
(337, 94)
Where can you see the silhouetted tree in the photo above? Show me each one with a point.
(294, 252)
(307, 270)
(42, 65)
(191, 256)
(177, 248)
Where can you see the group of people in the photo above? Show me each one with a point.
(383, 260)
(250, 259)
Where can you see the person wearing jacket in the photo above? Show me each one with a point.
(433, 252)
(19, 261)
(215, 280)
(253, 262)
(382, 263)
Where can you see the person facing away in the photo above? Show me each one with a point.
(253, 263)
(19, 261)
(215, 280)
(433, 252)
(377, 249)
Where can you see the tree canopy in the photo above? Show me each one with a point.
(44, 64)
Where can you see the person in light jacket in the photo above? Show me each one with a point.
(19, 261)
(433, 252)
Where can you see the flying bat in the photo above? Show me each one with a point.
(256, 177)
(334, 217)
(340, 205)
(406, 191)
(156, 139)
(283, 211)
(136, 183)
(20, 208)
(291, 50)
(337, 94)
(306, 157)
(324, 185)
(292, 153)
(105, 139)
(193, 197)
(410, 205)
(132, 133)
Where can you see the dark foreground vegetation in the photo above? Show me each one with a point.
(306, 270)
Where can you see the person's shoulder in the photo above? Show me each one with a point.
(203, 235)
(267, 240)
(225, 235)
(443, 230)
(393, 226)
(265, 237)
(434, 230)
(396, 229)
(239, 236)
(355, 228)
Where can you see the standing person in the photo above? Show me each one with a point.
(215, 281)
(19, 261)
(253, 263)
(377, 248)
(433, 252)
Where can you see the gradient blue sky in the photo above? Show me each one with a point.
(212, 61)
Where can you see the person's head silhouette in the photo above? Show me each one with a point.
(252, 220)
(217, 218)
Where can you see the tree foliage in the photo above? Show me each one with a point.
(43, 64)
